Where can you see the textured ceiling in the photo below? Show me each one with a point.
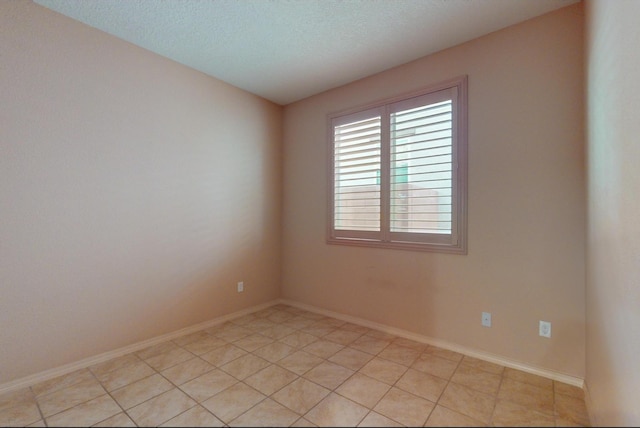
(286, 50)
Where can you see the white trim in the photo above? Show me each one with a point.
(589, 404)
(87, 362)
(481, 355)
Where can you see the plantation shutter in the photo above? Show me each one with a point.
(357, 174)
(422, 161)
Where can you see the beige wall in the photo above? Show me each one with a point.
(135, 192)
(613, 268)
(526, 203)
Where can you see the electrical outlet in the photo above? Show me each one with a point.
(545, 329)
(240, 287)
(486, 319)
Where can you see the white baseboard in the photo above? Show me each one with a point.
(589, 404)
(481, 355)
(87, 362)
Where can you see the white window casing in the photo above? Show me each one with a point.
(398, 172)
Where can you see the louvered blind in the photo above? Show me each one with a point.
(421, 167)
(357, 175)
(398, 172)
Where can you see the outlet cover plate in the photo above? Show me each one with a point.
(240, 287)
(545, 329)
(486, 319)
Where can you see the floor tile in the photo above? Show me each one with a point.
(529, 378)
(125, 375)
(399, 354)
(572, 409)
(118, 420)
(351, 358)
(422, 384)
(18, 397)
(328, 374)
(300, 362)
(270, 379)
(253, 342)
(507, 414)
(384, 370)
(213, 330)
(267, 413)
(259, 324)
(526, 394)
(374, 419)
(301, 395)
(343, 337)
(187, 370)
(280, 317)
(363, 390)
(444, 353)
(158, 349)
(233, 401)
(302, 422)
(408, 343)
(299, 339)
(208, 385)
(161, 408)
(337, 411)
(567, 423)
(407, 409)
(142, 390)
(233, 334)
(86, 414)
(205, 345)
(477, 405)
(355, 328)
(436, 366)
(274, 351)
(323, 348)
(319, 330)
(443, 417)
(169, 359)
(381, 335)
(243, 320)
(570, 390)
(245, 366)
(113, 364)
(222, 355)
(477, 379)
(370, 345)
(196, 416)
(277, 332)
(482, 365)
(298, 322)
(21, 414)
(70, 396)
(265, 312)
(61, 382)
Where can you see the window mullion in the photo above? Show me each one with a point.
(385, 176)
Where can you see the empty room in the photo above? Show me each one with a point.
(319, 213)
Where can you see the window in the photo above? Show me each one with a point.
(398, 172)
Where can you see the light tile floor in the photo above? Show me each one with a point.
(283, 366)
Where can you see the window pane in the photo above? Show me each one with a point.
(357, 175)
(421, 169)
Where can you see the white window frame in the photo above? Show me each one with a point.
(456, 242)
